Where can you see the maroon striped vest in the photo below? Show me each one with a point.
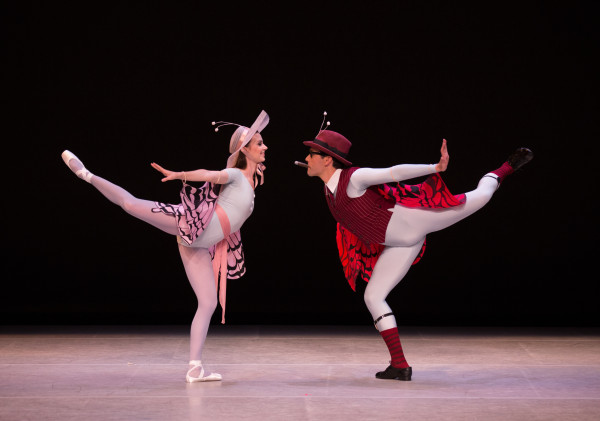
(366, 216)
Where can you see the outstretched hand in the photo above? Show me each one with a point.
(443, 164)
(169, 175)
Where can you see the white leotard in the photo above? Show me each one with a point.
(237, 200)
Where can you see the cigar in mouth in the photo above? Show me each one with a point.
(301, 164)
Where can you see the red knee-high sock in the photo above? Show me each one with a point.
(504, 171)
(392, 340)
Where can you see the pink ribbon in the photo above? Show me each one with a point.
(220, 259)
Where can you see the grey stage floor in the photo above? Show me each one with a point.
(298, 373)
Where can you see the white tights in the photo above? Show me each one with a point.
(139, 208)
(199, 270)
(404, 237)
(196, 260)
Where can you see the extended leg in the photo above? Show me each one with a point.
(408, 225)
(199, 270)
(141, 209)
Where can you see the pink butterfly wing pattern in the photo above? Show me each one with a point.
(193, 214)
(236, 266)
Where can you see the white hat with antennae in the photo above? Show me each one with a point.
(242, 135)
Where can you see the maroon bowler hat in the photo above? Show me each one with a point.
(333, 144)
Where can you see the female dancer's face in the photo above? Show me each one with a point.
(255, 151)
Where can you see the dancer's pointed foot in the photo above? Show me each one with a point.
(519, 158)
(395, 373)
(76, 166)
(196, 373)
(514, 162)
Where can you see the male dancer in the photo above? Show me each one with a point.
(382, 228)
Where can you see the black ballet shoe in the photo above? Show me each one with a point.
(395, 373)
(519, 158)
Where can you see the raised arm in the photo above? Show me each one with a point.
(217, 177)
(363, 178)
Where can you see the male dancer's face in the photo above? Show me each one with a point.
(317, 163)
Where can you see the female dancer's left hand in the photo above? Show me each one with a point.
(169, 175)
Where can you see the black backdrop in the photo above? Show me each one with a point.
(123, 84)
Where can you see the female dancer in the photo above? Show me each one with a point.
(206, 223)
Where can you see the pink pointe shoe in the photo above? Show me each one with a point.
(82, 173)
(213, 377)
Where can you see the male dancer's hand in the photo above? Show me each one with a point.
(443, 164)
